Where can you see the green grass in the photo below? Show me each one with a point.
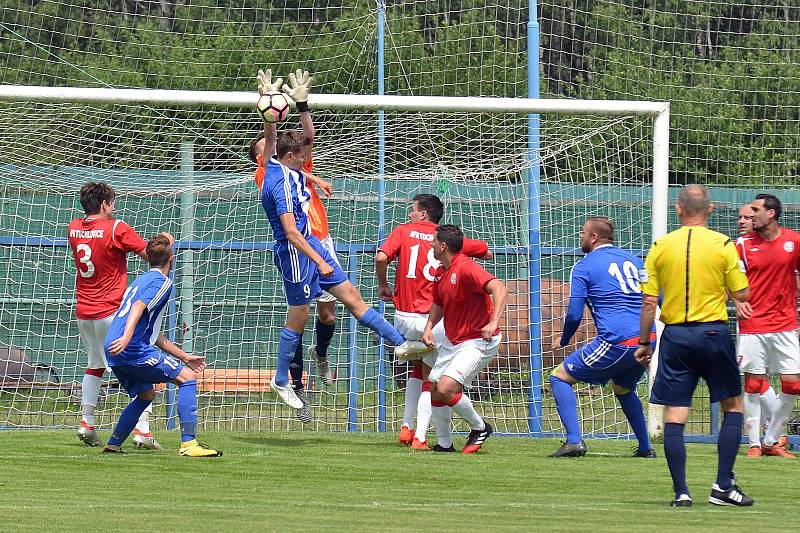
(313, 480)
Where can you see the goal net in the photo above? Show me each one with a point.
(184, 169)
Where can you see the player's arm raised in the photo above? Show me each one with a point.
(297, 240)
(298, 88)
(195, 362)
(498, 292)
(265, 85)
(118, 345)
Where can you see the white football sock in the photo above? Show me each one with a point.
(752, 418)
(779, 418)
(423, 415)
(769, 402)
(90, 390)
(442, 417)
(413, 392)
(143, 425)
(466, 411)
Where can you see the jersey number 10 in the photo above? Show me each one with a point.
(628, 277)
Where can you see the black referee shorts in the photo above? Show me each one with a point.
(689, 352)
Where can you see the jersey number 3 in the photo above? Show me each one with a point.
(84, 257)
(628, 277)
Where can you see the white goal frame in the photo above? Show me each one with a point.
(659, 111)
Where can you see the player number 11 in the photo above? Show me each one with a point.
(629, 282)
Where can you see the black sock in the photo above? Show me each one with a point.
(324, 336)
(675, 452)
(730, 435)
(296, 366)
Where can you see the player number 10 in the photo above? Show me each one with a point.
(629, 282)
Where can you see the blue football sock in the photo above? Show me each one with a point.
(286, 347)
(632, 407)
(187, 409)
(567, 405)
(730, 435)
(296, 366)
(372, 320)
(127, 421)
(675, 452)
(324, 336)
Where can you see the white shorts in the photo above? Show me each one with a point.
(764, 353)
(464, 361)
(93, 336)
(412, 325)
(327, 243)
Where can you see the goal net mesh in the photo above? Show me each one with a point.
(185, 170)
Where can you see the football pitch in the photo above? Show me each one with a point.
(277, 481)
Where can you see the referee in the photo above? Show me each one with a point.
(692, 267)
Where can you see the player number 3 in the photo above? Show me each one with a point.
(85, 259)
(628, 277)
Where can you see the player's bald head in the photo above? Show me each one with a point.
(693, 200)
(602, 226)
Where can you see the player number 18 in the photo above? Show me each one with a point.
(429, 269)
(628, 277)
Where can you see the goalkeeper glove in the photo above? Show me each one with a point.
(265, 84)
(298, 88)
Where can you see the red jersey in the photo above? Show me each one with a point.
(416, 267)
(459, 291)
(771, 268)
(99, 248)
(317, 216)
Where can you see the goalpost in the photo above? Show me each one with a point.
(177, 160)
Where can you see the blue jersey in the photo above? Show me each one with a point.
(285, 191)
(153, 289)
(607, 281)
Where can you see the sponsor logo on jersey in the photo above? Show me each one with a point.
(453, 278)
(788, 246)
(755, 249)
(421, 236)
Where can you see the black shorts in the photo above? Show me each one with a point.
(689, 352)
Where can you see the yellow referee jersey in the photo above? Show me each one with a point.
(693, 266)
